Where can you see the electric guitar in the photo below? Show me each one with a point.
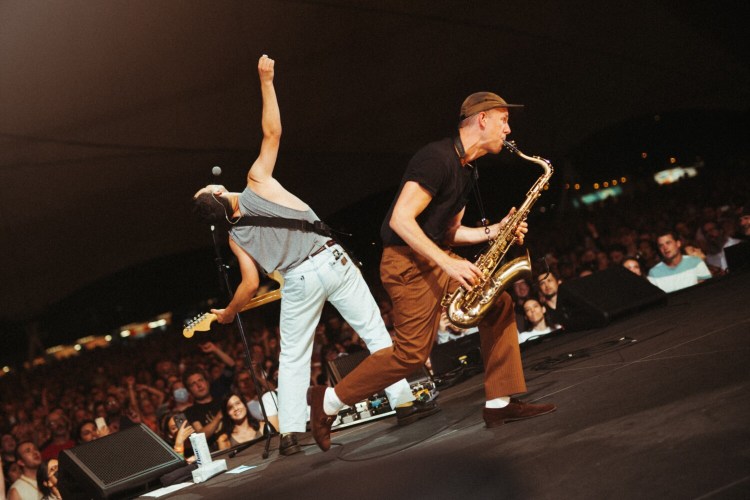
(203, 322)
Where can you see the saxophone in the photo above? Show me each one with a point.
(466, 308)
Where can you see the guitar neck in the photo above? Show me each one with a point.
(262, 299)
(204, 321)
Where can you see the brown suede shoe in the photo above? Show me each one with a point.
(516, 410)
(320, 423)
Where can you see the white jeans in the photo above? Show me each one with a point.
(306, 289)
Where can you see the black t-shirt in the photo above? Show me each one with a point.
(437, 168)
(205, 413)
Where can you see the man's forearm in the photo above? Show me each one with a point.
(464, 235)
(241, 297)
(210, 428)
(408, 230)
(226, 358)
(271, 117)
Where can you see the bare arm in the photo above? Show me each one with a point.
(210, 427)
(182, 435)
(262, 170)
(411, 202)
(210, 347)
(458, 235)
(134, 406)
(153, 390)
(246, 289)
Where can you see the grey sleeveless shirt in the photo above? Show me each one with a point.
(274, 248)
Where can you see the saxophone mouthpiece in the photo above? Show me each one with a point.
(510, 146)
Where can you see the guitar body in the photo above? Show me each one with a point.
(203, 322)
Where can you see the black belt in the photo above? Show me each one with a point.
(327, 244)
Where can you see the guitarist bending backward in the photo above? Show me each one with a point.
(315, 270)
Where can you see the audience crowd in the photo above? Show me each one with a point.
(177, 386)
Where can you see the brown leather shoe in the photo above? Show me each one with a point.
(516, 410)
(320, 423)
(288, 444)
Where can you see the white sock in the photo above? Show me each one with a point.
(331, 402)
(497, 402)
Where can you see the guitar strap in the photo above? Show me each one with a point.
(318, 227)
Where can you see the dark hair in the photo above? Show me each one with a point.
(211, 209)
(669, 232)
(18, 446)
(193, 370)
(617, 248)
(42, 477)
(164, 426)
(530, 299)
(79, 428)
(227, 421)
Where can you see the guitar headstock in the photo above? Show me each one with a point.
(200, 323)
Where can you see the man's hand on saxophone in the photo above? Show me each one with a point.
(466, 273)
(521, 230)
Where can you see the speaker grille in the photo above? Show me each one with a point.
(127, 453)
(119, 462)
(341, 366)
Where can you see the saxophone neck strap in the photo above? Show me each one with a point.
(478, 196)
(460, 151)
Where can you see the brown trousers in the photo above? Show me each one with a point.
(416, 286)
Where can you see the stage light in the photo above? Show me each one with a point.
(157, 323)
(125, 333)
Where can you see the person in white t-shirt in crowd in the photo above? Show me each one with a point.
(535, 318)
(676, 271)
(25, 487)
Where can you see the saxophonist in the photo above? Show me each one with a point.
(417, 267)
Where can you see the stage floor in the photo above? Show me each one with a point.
(655, 405)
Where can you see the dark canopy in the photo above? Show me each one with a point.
(113, 113)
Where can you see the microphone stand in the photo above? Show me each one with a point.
(224, 280)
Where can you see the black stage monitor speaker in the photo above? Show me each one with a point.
(116, 464)
(341, 366)
(595, 300)
(448, 356)
(738, 257)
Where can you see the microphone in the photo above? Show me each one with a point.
(216, 171)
